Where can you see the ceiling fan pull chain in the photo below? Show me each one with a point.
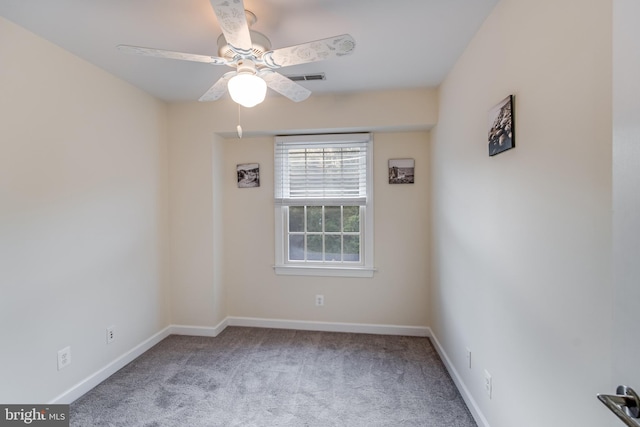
(239, 127)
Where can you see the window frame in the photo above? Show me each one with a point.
(364, 268)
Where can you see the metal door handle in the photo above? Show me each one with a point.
(625, 404)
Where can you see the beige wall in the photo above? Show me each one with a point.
(398, 110)
(522, 241)
(397, 295)
(197, 249)
(83, 217)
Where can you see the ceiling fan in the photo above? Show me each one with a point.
(249, 52)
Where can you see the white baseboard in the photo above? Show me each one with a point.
(362, 328)
(457, 379)
(93, 380)
(200, 331)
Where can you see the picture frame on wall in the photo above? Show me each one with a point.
(502, 136)
(401, 171)
(248, 175)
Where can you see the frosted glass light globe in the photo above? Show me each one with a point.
(247, 89)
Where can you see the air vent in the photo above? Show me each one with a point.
(308, 77)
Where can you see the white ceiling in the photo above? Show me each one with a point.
(399, 43)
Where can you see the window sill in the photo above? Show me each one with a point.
(326, 271)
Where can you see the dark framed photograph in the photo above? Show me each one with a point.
(401, 171)
(502, 136)
(248, 175)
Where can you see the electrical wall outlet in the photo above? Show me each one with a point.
(111, 334)
(488, 383)
(64, 358)
(319, 300)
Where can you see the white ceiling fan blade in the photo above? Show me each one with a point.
(233, 22)
(319, 50)
(159, 53)
(285, 86)
(216, 91)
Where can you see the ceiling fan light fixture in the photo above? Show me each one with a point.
(247, 89)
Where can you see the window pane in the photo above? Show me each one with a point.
(352, 248)
(314, 247)
(333, 248)
(296, 218)
(332, 219)
(296, 247)
(314, 218)
(351, 219)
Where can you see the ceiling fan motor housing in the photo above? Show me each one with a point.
(260, 45)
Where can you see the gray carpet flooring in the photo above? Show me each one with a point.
(271, 377)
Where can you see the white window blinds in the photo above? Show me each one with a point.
(321, 170)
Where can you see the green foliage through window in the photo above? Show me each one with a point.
(324, 233)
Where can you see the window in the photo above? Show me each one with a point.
(324, 205)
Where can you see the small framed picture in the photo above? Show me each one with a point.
(248, 175)
(502, 135)
(401, 171)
